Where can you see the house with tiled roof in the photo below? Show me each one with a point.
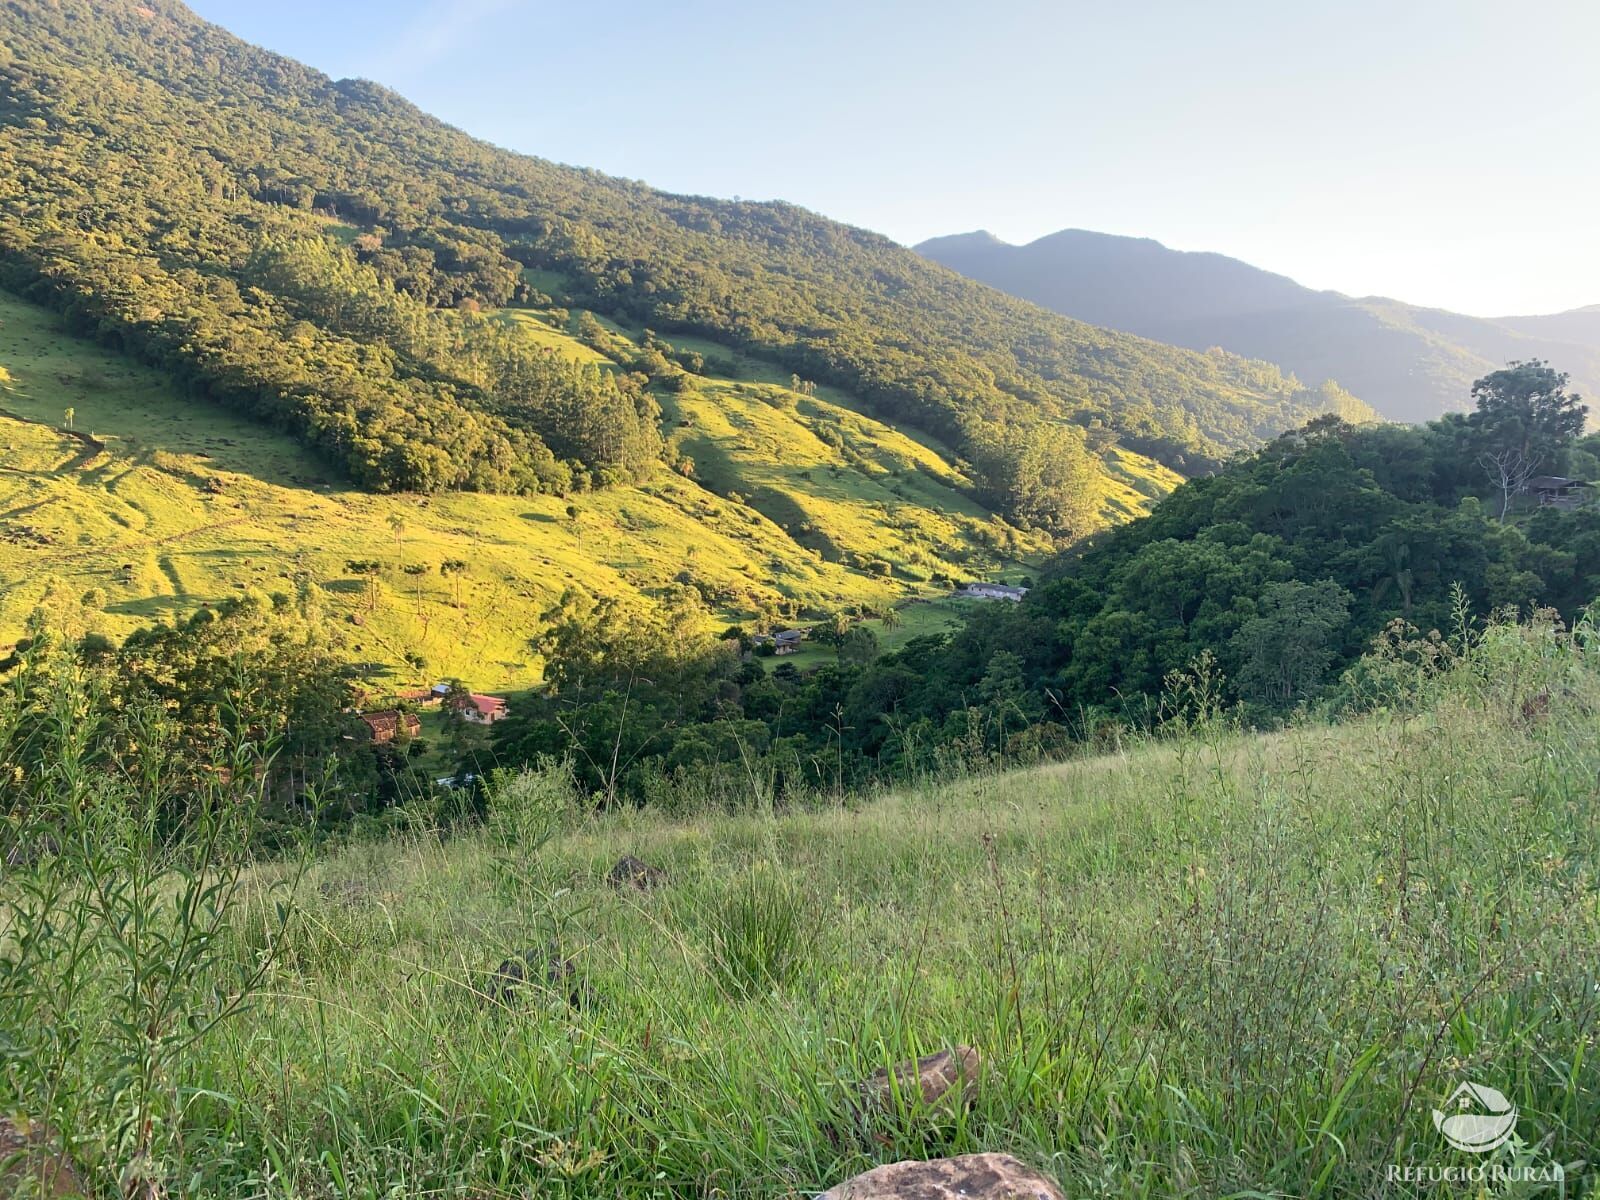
(388, 724)
(481, 709)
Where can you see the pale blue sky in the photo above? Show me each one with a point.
(1445, 152)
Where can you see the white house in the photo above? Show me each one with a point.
(992, 591)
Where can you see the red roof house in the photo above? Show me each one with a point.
(482, 710)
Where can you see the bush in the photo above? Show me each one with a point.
(530, 806)
(758, 932)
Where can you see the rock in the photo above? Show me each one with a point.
(970, 1177)
(542, 970)
(635, 873)
(946, 1080)
(31, 1164)
(1536, 708)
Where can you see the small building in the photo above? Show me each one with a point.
(1556, 491)
(992, 591)
(482, 710)
(388, 724)
(788, 641)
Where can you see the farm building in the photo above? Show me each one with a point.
(482, 710)
(991, 591)
(1555, 491)
(387, 725)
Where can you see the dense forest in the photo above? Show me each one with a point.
(315, 253)
(1256, 588)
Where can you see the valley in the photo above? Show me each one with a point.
(799, 506)
(517, 681)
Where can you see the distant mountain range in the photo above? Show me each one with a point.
(1408, 362)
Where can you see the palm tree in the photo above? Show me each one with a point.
(397, 526)
(892, 618)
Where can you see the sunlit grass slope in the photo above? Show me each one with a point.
(146, 504)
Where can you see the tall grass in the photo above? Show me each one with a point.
(1210, 964)
(758, 931)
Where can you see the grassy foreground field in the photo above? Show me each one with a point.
(1213, 964)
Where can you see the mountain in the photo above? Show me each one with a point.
(1580, 325)
(1410, 363)
(302, 250)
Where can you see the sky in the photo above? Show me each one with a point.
(1444, 152)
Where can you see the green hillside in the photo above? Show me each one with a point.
(170, 187)
(151, 505)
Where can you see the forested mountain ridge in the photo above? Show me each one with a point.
(1409, 362)
(170, 187)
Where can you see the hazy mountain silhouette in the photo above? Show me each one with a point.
(1408, 362)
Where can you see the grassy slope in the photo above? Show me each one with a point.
(141, 501)
(1174, 960)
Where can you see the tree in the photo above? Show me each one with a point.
(1526, 408)
(70, 415)
(454, 569)
(1287, 646)
(859, 646)
(892, 618)
(1509, 471)
(397, 526)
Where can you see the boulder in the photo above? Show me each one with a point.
(946, 1080)
(631, 872)
(969, 1177)
(31, 1163)
(538, 969)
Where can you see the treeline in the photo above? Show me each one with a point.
(257, 683)
(1262, 586)
(146, 157)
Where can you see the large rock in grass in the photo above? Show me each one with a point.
(541, 971)
(970, 1177)
(944, 1081)
(635, 873)
(31, 1162)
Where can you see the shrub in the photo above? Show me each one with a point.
(758, 932)
(530, 806)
